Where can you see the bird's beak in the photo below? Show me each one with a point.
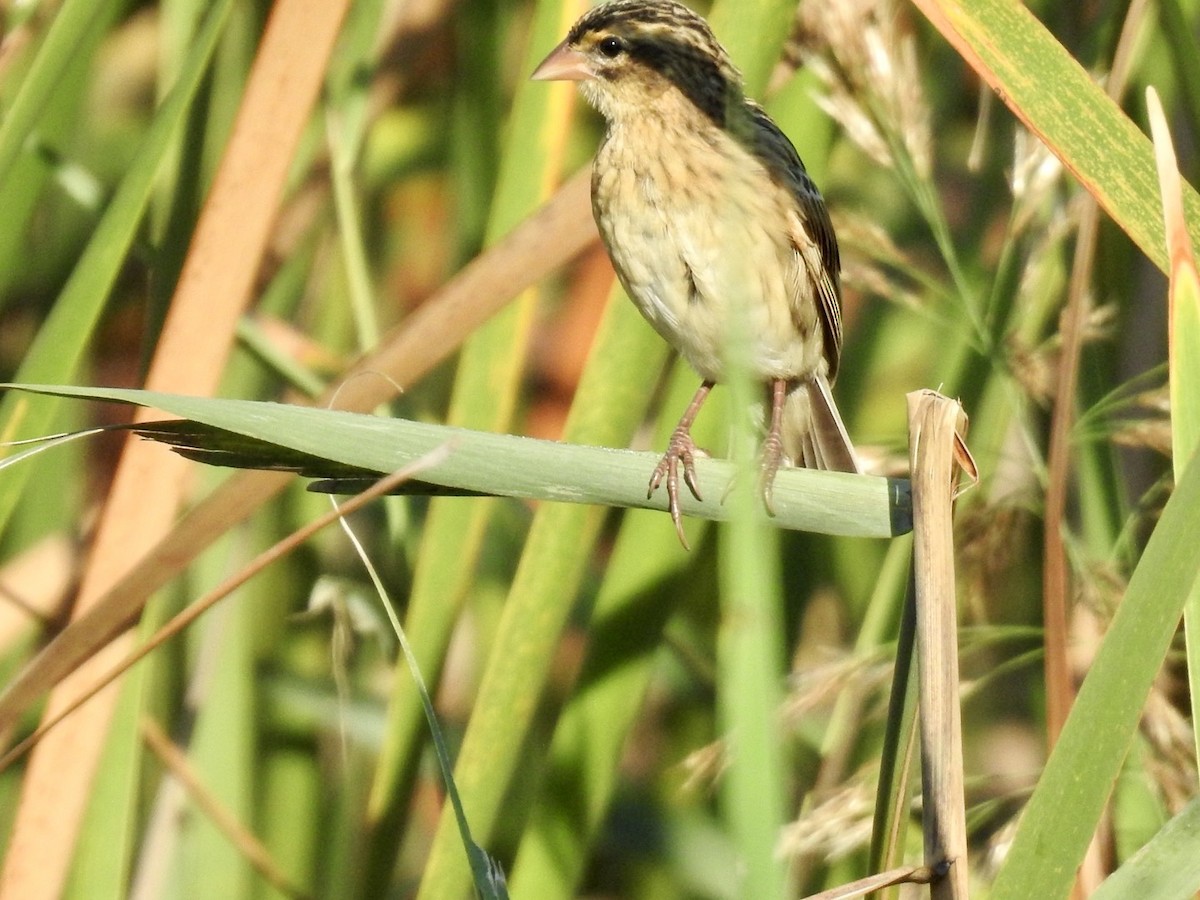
(563, 64)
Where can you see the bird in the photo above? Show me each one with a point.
(706, 211)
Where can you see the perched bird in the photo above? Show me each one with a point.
(707, 212)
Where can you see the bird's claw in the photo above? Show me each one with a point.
(681, 448)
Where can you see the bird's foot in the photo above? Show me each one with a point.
(772, 458)
(680, 449)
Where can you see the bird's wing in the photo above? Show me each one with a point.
(812, 231)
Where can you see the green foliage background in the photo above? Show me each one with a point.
(588, 671)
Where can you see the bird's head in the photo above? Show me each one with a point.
(630, 56)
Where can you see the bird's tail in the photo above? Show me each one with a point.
(814, 435)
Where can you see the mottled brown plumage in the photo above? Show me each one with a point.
(707, 212)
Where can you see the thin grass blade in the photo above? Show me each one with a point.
(1184, 349)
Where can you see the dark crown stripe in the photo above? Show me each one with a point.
(697, 74)
(675, 42)
(609, 14)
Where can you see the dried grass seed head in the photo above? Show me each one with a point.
(835, 828)
(868, 65)
(1036, 176)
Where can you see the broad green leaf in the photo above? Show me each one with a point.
(513, 466)
(1164, 869)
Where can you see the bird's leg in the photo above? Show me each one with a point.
(772, 450)
(680, 447)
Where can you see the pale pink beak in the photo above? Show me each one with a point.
(564, 64)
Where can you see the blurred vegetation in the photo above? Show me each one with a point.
(583, 645)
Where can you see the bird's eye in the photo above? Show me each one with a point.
(611, 47)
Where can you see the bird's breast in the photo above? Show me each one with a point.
(697, 233)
